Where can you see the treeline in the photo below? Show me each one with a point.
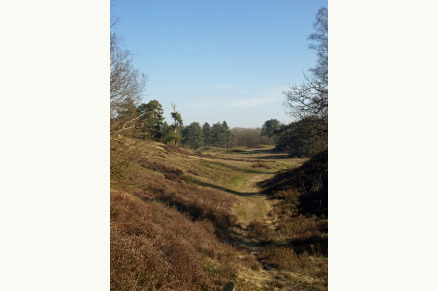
(248, 137)
(217, 135)
(302, 138)
(146, 121)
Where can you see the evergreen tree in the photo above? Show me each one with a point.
(221, 134)
(270, 127)
(216, 134)
(226, 132)
(206, 130)
(192, 135)
(167, 133)
(177, 124)
(150, 123)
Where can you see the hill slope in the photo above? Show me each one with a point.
(182, 220)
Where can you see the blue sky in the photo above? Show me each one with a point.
(219, 60)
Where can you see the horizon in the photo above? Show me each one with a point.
(219, 61)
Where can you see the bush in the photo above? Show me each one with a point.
(309, 183)
(261, 231)
(286, 259)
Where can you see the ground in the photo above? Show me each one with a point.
(233, 173)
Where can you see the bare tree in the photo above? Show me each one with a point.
(311, 97)
(127, 83)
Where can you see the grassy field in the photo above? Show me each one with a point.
(186, 220)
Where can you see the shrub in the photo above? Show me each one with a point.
(261, 231)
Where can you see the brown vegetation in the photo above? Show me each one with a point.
(299, 242)
(157, 247)
(262, 165)
(305, 186)
(165, 232)
(169, 233)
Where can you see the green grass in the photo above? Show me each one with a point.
(236, 181)
(250, 209)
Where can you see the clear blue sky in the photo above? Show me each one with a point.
(219, 60)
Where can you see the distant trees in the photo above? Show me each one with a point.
(226, 133)
(302, 139)
(193, 136)
(271, 128)
(146, 121)
(248, 137)
(218, 135)
(177, 124)
(206, 131)
(221, 134)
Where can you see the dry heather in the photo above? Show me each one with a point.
(151, 180)
(157, 247)
(299, 241)
(164, 230)
(172, 221)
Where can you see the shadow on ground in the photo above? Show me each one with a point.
(276, 157)
(231, 167)
(270, 154)
(206, 184)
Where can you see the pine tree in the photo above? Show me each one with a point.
(177, 124)
(206, 130)
(192, 135)
(150, 123)
(221, 134)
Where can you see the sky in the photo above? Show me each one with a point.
(219, 60)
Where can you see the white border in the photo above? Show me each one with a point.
(54, 208)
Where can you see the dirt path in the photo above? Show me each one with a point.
(255, 208)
